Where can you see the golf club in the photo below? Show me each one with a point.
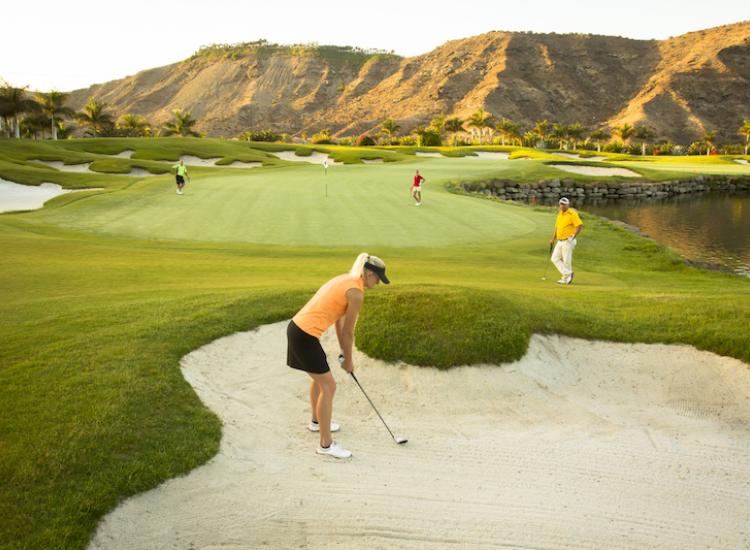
(546, 269)
(398, 440)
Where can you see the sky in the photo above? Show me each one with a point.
(75, 43)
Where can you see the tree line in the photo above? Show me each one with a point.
(482, 128)
(45, 114)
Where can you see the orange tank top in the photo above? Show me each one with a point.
(327, 306)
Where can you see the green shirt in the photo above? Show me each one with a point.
(181, 169)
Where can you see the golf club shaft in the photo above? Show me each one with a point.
(373, 407)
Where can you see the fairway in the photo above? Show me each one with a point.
(106, 291)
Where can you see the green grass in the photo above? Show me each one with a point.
(104, 292)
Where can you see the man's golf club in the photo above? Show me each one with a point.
(546, 269)
(398, 440)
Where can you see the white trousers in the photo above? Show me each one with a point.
(562, 256)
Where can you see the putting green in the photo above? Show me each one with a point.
(366, 205)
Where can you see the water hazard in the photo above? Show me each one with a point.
(713, 228)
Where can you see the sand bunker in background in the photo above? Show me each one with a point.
(578, 445)
(596, 171)
(241, 164)
(489, 155)
(16, 197)
(60, 165)
(126, 154)
(190, 160)
(579, 157)
(742, 161)
(434, 155)
(372, 161)
(314, 158)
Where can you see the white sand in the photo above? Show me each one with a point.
(489, 155)
(126, 154)
(190, 160)
(578, 445)
(596, 171)
(742, 161)
(314, 158)
(372, 161)
(16, 197)
(435, 155)
(579, 157)
(60, 165)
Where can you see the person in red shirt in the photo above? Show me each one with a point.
(416, 190)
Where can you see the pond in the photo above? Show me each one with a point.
(709, 228)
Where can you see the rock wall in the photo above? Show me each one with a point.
(554, 189)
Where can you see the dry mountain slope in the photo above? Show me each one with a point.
(681, 86)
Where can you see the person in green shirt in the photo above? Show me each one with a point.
(181, 173)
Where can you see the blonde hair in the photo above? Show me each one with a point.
(358, 268)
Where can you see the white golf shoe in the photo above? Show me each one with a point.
(335, 451)
(562, 281)
(314, 427)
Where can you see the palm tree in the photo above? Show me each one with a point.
(576, 132)
(709, 138)
(94, 116)
(480, 120)
(389, 127)
(454, 125)
(624, 131)
(15, 102)
(744, 131)
(541, 129)
(507, 130)
(420, 131)
(438, 124)
(598, 136)
(560, 133)
(133, 125)
(52, 105)
(645, 134)
(530, 138)
(181, 125)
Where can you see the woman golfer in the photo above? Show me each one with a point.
(336, 302)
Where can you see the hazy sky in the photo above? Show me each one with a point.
(74, 43)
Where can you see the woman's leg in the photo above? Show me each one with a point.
(324, 406)
(314, 395)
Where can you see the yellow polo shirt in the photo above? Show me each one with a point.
(566, 224)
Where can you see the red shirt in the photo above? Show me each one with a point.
(418, 180)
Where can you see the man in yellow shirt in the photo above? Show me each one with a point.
(567, 227)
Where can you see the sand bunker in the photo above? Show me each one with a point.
(16, 197)
(190, 160)
(578, 445)
(372, 161)
(489, 155)
(434, 155)
(136, 171)
(60, 165)
(241, 164)
(314, 158)
(579, 157)
(126, 154)
(742, 161)
(596, 171)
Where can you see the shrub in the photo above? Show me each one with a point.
(614, 147)
(260, 135)
(346, 140)
(323, 138)
(408, 140)
(430, 138)
(365, 140)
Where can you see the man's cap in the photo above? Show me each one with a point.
(377, 266)
(564, 200)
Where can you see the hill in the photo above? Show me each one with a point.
(682, 86)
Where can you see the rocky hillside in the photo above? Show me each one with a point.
(682, 86)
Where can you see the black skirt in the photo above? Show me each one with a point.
(304, 351)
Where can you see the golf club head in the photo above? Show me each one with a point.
(400, 440)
